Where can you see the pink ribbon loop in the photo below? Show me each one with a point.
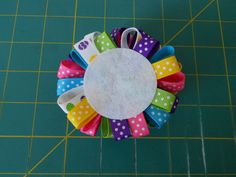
(173, 83)
(69, 69)
(138, 126)
(92, 127)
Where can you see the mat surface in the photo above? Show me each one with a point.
(37, 140)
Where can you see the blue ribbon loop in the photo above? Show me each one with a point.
(164, 52)
(64, 85)
(156, 117)
(76, 57)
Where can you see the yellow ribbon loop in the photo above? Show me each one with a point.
(166, 67)
(81, 114)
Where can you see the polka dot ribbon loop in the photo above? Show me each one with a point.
(176, 102)
(173, 83)
(106, 128)
(166, 67)
(69, 69)
(77, 58)
(141, 42)
(120, 129)
(138, 126)
(77, 97)
(147, 46)
(92, 127)
(164, 100)
(104, 42)
(70, 99)
(81, 114)
(86, 47)
(156, 117)
(164, 52)
(116, 35)
(64, 85)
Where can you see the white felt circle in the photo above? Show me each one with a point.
(120, 83)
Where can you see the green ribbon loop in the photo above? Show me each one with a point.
(164, 100)
(106, 128)
(104, 42)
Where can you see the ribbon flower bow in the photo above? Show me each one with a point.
(124, 81)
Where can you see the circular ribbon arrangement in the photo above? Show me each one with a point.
(124, 82)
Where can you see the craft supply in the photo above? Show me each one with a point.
(64, 85)
(166, 67)
(173, 83)
(70, 99)
(106, 128)
(138, 126)
(86, 48)
(76, 57)
(92, 127)
(69, 69)
(156, 116)
(164, 100)
(120, 129)
(81, 114)
(122, 81)
(104, 42)
(164, 52)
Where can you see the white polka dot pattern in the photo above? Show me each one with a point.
(164, 100)
(64, 85)
(81, 114)
(147, 46)
(156, 116)
(173, 83)
(120, 129)
(69, 69)
(166, 67)
(104, 42)
(138, 126)
(176, 102)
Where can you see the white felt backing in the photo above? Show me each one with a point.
(120, 83)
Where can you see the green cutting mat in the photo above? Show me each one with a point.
(37, 140)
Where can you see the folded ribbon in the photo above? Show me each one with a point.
(120, 129)
(92, 127)
(124, 37)
(166, 67)
(164, 52)
(69, 69)
(86, 47)
(70, 99)
(81, 114)
(173, 83)
(138, 126)
(164, 100)
(156, 117)
(104, 42)
(116, 35)
(147, 46)
(77, 58)
(175, 105)
(64, 85)
(144, 43)
(106, 128)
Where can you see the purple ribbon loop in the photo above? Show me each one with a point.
(120, 129)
